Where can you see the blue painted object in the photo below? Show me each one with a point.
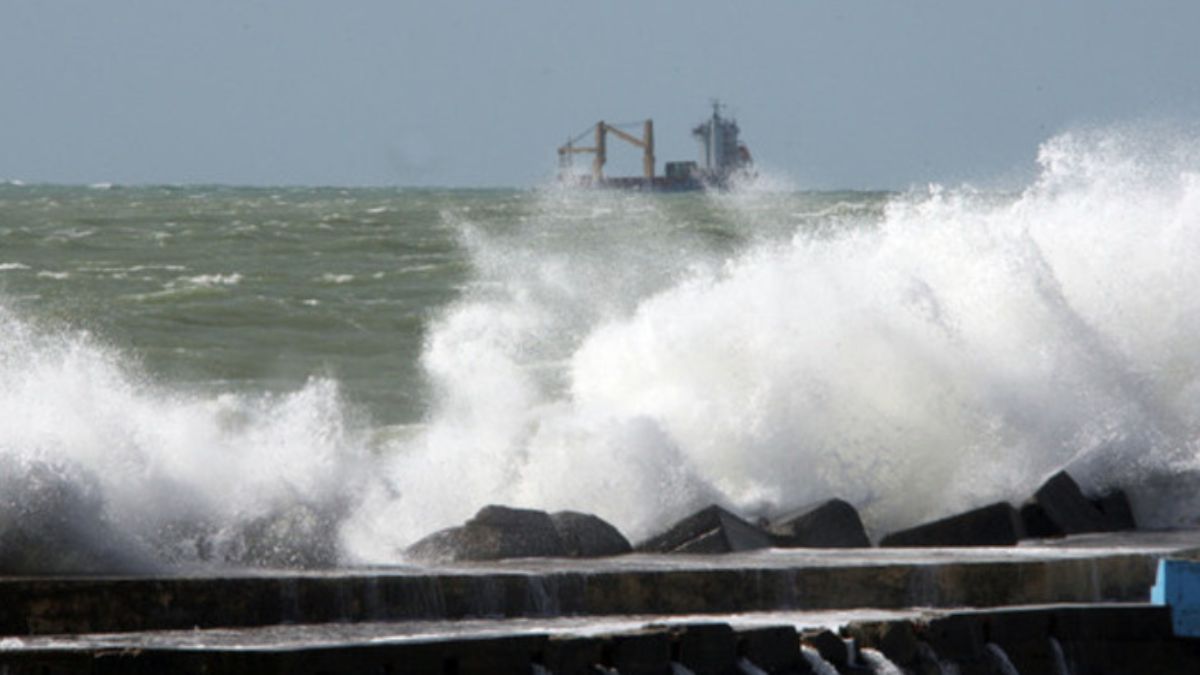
(1178, 587)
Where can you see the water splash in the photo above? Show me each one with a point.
(1000, 660)
(878, 663)
(746, 667)
(102, 469)
(638, 356)
(960, 339)
(1061, 666)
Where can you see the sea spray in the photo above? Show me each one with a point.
(952, 350)
(636, 356)
(104, 471)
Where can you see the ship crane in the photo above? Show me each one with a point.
(600, 130)
(723, 158)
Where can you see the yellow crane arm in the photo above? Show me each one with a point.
(625, 136)
(600, 148)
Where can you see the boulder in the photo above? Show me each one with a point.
(997, 524)
(587, 536)
(495, 533)
(1059, 508)
(710, 530)
(833, 523)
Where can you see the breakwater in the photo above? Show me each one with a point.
(629, 613)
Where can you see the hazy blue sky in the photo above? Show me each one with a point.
(830, 93)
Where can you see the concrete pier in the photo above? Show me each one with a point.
(507, 616)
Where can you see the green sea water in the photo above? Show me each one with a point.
(258, 289)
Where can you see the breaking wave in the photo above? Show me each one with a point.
(948, 348)
(100, 469)
(952, 350)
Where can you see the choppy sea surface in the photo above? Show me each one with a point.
(208, 374)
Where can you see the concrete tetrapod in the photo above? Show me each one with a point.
(997, 524)
(833, 523)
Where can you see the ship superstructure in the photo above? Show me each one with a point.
(722, 157)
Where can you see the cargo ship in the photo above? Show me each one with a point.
(723, 158)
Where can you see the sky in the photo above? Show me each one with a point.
(828, 93)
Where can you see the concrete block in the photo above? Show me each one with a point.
(897, 640)
(1023, 635)
(1117, 511)
(775, 649)
(570, 655)
(1036, 523)
(710, 530)
(587, 536)
(510, 655)
(957, 638)
(997, 524)
(46, 662)
(645, 653)
(1066, 508)
(495, 533)
(706, 649)
(1178, 586)
(1111, 622)
(833, 523)
(832, 648)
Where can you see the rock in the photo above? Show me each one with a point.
(495, 533)
(833, 523)
(587, 536)
(1065, 508)
(1117, 511)
(710, 530)
(997, 524)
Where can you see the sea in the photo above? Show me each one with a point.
(193, 371)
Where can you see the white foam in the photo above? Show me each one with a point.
(164, 463)
(213, 280)
(949, 352)
(878, 663)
